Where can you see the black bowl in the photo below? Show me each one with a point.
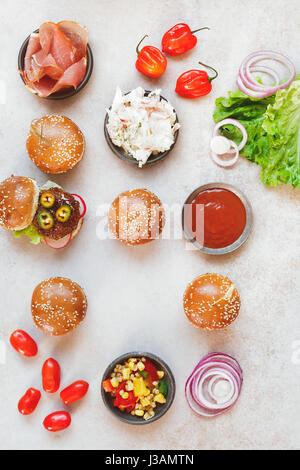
(66, 93)
(127, 158)
(160, 410)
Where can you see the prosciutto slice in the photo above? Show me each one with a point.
(55, 58)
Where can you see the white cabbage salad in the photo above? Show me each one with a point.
(141, 125)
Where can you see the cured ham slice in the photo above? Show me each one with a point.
(48, 65)
(73, 76)
(55, 58)
(77, 34)
(33, 47)
(54, 42)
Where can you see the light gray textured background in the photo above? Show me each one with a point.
(135, 295)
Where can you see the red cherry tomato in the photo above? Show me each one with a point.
(51, 376)
(74, 392)
(29, 401)
(23, 343)
(57, 421)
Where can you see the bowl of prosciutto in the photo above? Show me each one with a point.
(55, 61)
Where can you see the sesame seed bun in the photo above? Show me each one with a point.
(55, 144)
(18, 202)
(58, 306)
(136, 217)
(211, 302)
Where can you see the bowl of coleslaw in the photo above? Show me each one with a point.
(141, 127)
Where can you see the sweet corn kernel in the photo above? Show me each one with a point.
(160, 373)
(139, 412)
(155, 383)
(140, 366)
(114, 382)
(126, 373)
(129, 386)
(145, 402)
(160, 398)
(125, 395)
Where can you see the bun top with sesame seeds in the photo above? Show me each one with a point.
(211, 302)
(58, 306)
(18, 202)
(136, 217)
(55, 144)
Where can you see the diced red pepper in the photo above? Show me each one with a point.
(151, 369)
(108, 386)
(124, 404)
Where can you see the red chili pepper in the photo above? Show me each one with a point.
(23, 343)
(179, 39)
(74, 392)
(51, 376)
(29, 401)
(195, 83)
(57, 421)
(124, 404)
(108, 386)
(150, 60)
(151, 369)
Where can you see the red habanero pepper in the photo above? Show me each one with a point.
(151, 369)
(74, 392)
(29, 401)
(195, 83)
(124, 404)
(51, 376)
(179, 39)
(150, 60)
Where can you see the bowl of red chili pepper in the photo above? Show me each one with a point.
(138, 388)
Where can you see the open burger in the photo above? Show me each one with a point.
(46, 215)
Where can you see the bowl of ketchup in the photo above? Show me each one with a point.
(217, 218)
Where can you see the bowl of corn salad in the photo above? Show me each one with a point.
(138, 387)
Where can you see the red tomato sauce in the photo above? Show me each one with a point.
(216, 218)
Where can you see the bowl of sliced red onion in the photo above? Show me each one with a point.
(215, 385)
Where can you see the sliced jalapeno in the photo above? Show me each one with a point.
(63, 213)
(45, 220)
(47, 200)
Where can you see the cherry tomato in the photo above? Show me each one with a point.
(57, 421)
(29, 401)
(23, 343)
(51, 376)
(74, 392)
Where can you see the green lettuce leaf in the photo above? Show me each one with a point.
(282, 124)
(30, 232)
(273, 125)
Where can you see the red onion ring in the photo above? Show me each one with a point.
(200, 386)
(82, 204)
(267, 70)
(250, 86)
(58, 244)
(235, 123)
(228, 162)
